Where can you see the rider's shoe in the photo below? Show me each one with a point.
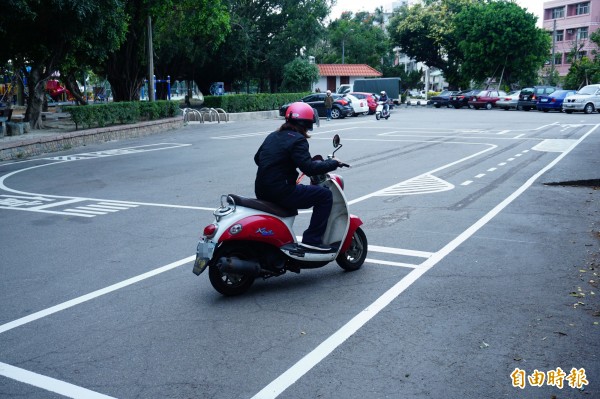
(316, 247)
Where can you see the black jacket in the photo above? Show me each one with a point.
(277, 159)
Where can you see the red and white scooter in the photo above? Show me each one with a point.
(251, 238)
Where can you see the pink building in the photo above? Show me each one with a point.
(572, 22)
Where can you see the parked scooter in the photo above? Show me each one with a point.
(251, 238)
(382, 111)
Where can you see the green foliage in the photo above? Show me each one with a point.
(516, 51)
(251, 102)
(265, 36)
(472, 40)
(355, 36)
(100, 115)
(299, 75)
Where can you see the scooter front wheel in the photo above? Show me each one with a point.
(355, 255)
(231, 284)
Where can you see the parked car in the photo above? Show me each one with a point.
(554, 101)
(529, 96)
(370, 98)
(509, 101)
(461, 99)
(359, 106)
(587, 100)
(485, 99)
(341, 107)
(442, 99)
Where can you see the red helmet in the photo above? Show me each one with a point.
(302, 114)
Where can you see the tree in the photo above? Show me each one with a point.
(584, 71)
(501, 40)
(184, 31)
(47, 34)
(353, 39)
(425, 32)
(299, 75)
(265, 35)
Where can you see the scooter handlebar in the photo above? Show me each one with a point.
(342, 165)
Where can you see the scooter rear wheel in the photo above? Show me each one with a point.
(231, 284)
(355, 256)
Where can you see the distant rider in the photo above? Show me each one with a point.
(384, 98)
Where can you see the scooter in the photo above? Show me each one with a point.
(381, 111)
(251, 238)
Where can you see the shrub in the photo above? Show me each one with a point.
(100, 115)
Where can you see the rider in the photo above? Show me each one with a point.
(384, 98)
(278, 157)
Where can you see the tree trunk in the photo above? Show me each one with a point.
(73, 87)
(36, 82)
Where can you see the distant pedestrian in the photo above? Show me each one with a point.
(328, 104)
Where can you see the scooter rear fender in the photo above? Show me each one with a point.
(262, 228)
(355, 223)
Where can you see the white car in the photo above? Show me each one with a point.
(587, 100)
(360, 106)
(509, 101)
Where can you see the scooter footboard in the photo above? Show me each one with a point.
(355, 223)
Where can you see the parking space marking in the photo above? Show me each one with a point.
(311, 359)
(48, 383)
(92, 295)
(296, 371)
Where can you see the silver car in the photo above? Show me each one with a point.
(587, 100)
(509, 101)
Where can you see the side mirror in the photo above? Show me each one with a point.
(336, 141)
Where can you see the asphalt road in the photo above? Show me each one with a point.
(481, 276)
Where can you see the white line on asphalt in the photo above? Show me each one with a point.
(466, 183)
(479, 176)
(388, 263)
(92, 295)
(48, 383)
(304, 365)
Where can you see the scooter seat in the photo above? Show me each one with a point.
(261, 205)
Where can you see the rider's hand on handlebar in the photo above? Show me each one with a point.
(341, 164)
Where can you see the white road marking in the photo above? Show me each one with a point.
(310, 360)
(491, 169)
(48, 383)
(479, 176)
(93, 295)
(466, 183)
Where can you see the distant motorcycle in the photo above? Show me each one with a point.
(381, 111)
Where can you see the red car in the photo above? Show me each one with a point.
(486, 99)
(371, 100)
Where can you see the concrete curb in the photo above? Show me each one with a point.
(63, 141)
(246, 116)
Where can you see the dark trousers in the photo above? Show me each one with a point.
(321, 199)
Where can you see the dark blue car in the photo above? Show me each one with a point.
(553, 101)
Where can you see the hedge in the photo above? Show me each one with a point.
(233, 103)
(100, 115)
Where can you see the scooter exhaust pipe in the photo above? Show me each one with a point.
(239, 266)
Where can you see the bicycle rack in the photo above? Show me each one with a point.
(205, 115)
(193, 116)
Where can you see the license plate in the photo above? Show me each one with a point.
(544, 100)
(204, 252)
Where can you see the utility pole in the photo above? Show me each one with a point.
(150, 62)
(553, 50)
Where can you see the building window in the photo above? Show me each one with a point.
(560, 35)
(558, 59)
(582, 33)
(582, 8)
(558, 12)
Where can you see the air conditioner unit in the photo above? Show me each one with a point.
(570, 31)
